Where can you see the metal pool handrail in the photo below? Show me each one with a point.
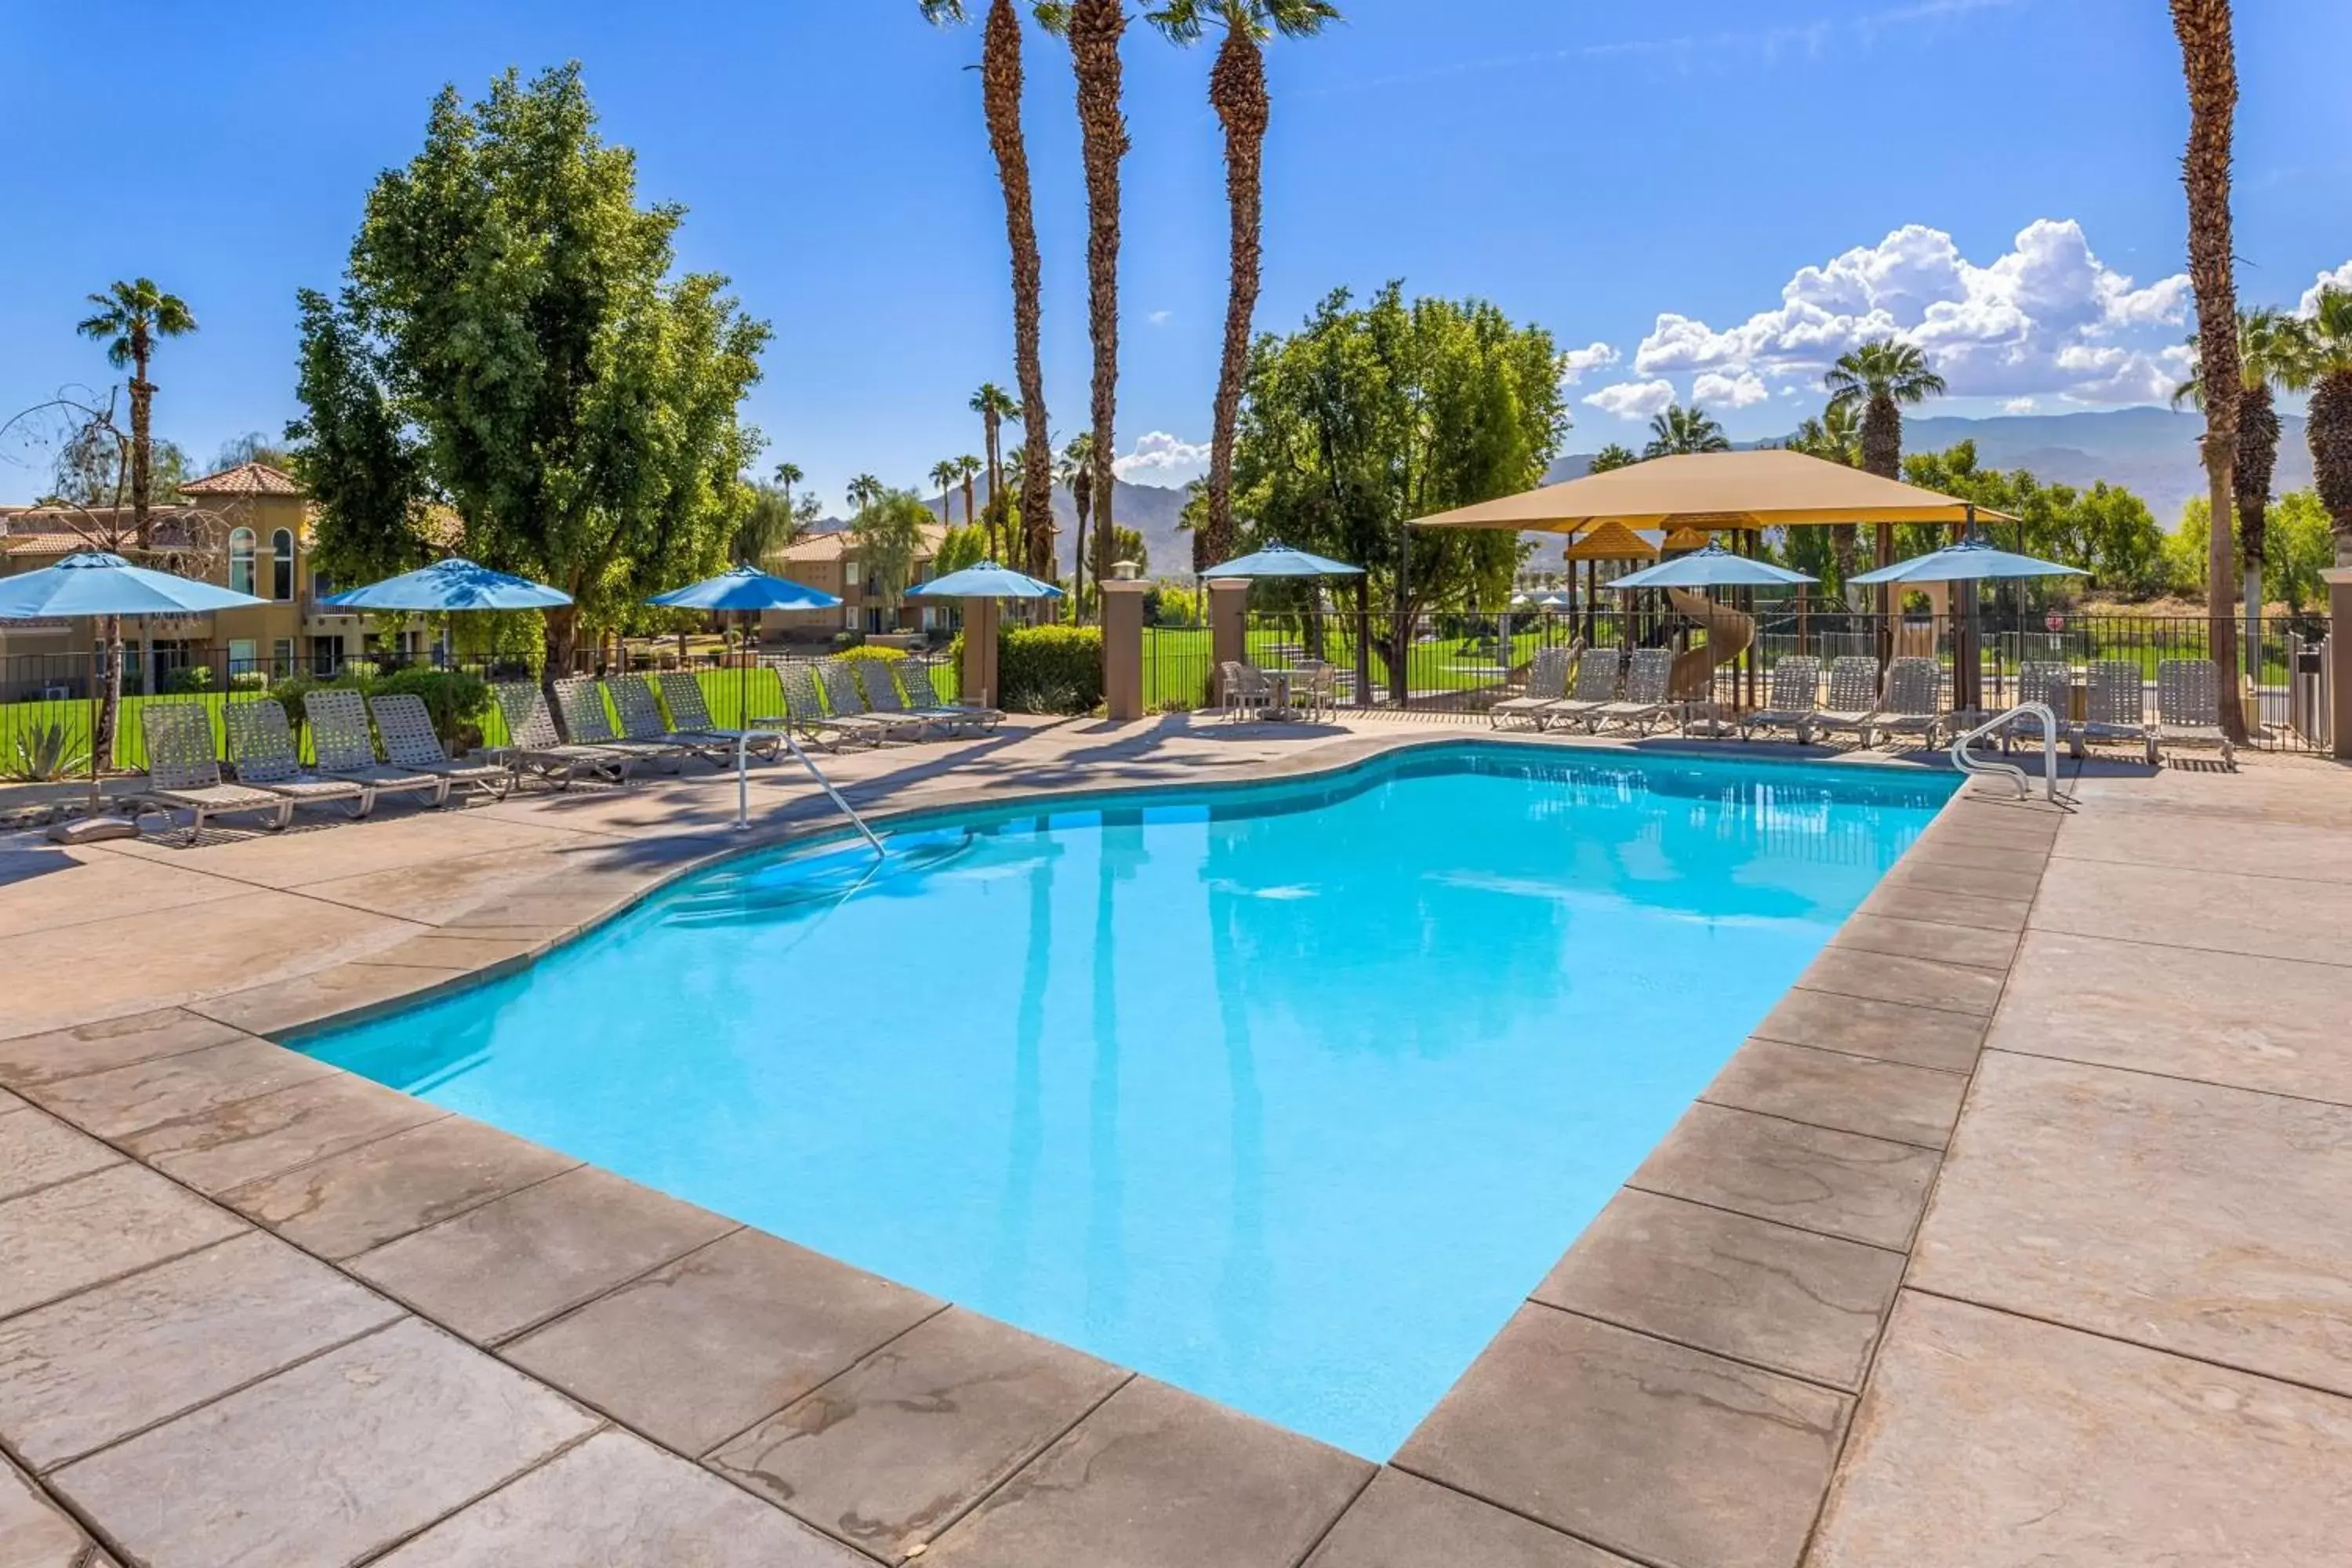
(743, 784)
(1976, 767)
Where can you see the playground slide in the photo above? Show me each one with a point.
(1729, 633)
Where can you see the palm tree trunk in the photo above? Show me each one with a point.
(1237, 91)
(1000, 70)
(1882, 454)
(2209, 65)
(1095, 27)
(2330, 435)
(142, 454)
(2258, 439)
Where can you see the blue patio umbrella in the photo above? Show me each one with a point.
(453, 585)
(1712, 567)
(94, 582)
(985, 580)
(746, 588)
(1281, 561)
(1971, 561)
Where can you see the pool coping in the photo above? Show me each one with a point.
(1714, 1193)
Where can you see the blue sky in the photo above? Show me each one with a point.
(1996, 177)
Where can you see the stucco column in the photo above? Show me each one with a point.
(979, 651)
(1228, 629)
(1122, 630)
(2339, 658)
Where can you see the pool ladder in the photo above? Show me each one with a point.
(743, 784)
(1982, 768)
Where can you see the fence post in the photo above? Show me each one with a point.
(979, 675)
(1121, 603)
(1228, 630)
(2340, 660)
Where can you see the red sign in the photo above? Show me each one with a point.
(2054, 621)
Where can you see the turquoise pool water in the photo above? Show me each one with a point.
(1286, 1095)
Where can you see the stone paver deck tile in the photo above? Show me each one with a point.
(125, 1099)
(94, 1367)
(281, 1007)
(1658, 1452)
(891, 1453)
(250, 1139)
(1969, 876)
(340, 1206)
(38, 1151)
(1156, 1477)
(2204, 1220)
(67, 1238)
(1891, 1031)
(1908, 901)
(701, 1349)
(1789, 1299)
(2254, 848)
(521, 1260)
(1992, 1441)
(616, 1500)
(1877, 1098)
(1917, 982)
(2255, 1023)
(1839, 1183)
(34, 1532)
(1909, 937)
(1403, 1521)
(2217, 910)
(328, 1461)
(27, 1059)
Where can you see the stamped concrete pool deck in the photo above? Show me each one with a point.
(2017, 1234)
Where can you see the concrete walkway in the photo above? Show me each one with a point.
(254, 1310)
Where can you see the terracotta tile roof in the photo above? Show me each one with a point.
(246, 479)
(59, 531)
(834, 546)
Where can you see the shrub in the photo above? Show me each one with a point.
(188, 680)
(289, 693)
(1050, 670)
(847, 639)
(248, 680)
(454, 698)
(871, 655)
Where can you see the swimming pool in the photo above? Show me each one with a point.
(1285, 1094)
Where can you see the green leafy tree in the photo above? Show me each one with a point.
(2267, 341)
(961, 546)
(512, 343)
(253, 447)
(1680, 431)
(2302, 542)
(2106, 529)
(1237, 93)
(1371, 415)
(1877, 377)
(1614, 456)
(776, 519)
(888, 529)
(130, 316)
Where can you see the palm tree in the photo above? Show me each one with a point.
(944, 474)
(1237, 93)
(2267, 343)
(129, 318)
(1093, 28)
(968, 469)
(1680, 430)
(864, 491)
(2210, 67)
(2322, 361)
(1834, 437)
(1879, 376)
(994, 406)
(1614, 456)
(1076, 469)
(999, 76)
(788, 475)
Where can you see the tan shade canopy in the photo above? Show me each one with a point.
(1688, 538)
(1768, 489)
(1613, 541)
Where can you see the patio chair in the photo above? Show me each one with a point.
(535, 747)
(183, 774)
(1793, 702)
(2115, 708)
(345, 747)
(1648, 675)
(1249, 694)
(848, 700)
(2189, 708)
(882, 699)
(1315, 688)
(579, 706)
(1853, 698)
(1547, 684)
(2053, 686)
(642, 721)
(806, 713)
(261, 749)
(924, 694)
(1914, 702)
(410, 742)
(689, 709)
(1596, 686)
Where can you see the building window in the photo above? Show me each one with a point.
(322, 585)
(244, 653)
(849, 573)
(240, 561)
(281, 658)
(281, 564)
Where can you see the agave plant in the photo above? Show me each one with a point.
(44, 752)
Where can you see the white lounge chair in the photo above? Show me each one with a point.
(2189, 708)
(1912, 703)
(1547, 684)
(534, 746)
(882, 699)
(806, 712)
(848, 699)
(1791, 703)
(580, 705)
(1648, 675)
(345, 748)
(2115, 708)
(690, 711)
(2053, 686)
(1596, 686)
(261, 749)
(410, 742)
(923, 693)
(643, 722)
(1853, 701)
(184, 774)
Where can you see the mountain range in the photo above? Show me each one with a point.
(1152, 510)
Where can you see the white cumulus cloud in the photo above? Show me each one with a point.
(1160, 317)
(1634, 399)
(2047, 316)
(2339, 279)
(1713, 388)
(1161, 458)
(1593, 356)
(2019, 405)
